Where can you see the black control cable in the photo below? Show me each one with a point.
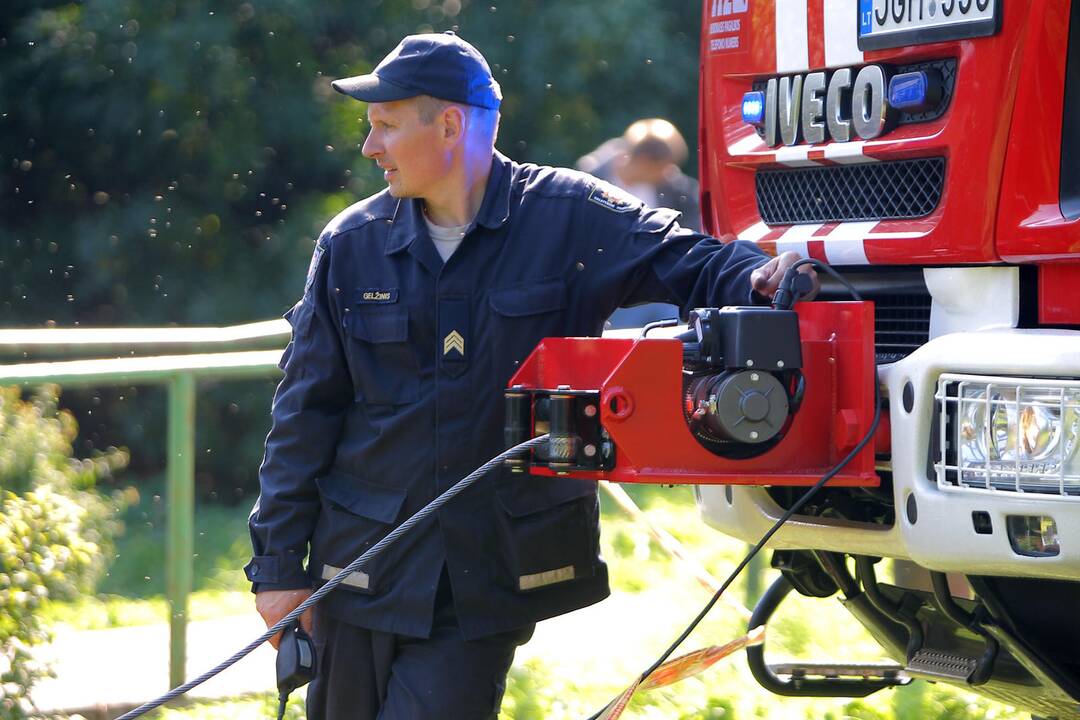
(797, 284)
(791, 287)
(286, 623)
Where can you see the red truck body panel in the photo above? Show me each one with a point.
(1000, 136)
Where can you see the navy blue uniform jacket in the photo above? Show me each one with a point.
(382, 407)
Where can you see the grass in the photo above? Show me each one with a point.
(221, 549)
(133, 590)
(571, 679)
(252, 707)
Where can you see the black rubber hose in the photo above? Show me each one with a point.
(984, 666)
(864, 572)
(755, 655)
(855, 600)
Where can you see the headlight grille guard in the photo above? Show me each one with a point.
(1056, 476)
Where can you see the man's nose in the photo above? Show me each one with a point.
(371, 148)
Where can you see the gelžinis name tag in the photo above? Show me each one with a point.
(377, 296)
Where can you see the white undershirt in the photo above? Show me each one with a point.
(446, 239)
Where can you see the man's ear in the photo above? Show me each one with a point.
(452, 121)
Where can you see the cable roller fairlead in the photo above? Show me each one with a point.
(748, 395)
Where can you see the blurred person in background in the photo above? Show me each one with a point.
(645, 162)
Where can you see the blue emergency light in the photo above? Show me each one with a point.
(753, 108)
(909, 91)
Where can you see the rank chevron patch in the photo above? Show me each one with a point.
(454, 341)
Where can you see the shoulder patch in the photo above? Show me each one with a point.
(313, 268)
(613, 198)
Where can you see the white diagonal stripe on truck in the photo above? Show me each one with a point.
(755, 232)
(845, 245)
(847, 153)
(795, 155)
(792, 46)
(795, 239)
(841, 33)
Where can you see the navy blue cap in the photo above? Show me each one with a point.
(441, 65)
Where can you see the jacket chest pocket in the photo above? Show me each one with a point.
(523, 316)
(382, 361)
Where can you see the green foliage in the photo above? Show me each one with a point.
(535, 692)
(172, 161)
(530, 692)
(169, 161)
(54, 530)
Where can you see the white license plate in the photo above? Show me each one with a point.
(894, 23)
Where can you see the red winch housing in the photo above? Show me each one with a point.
(636, 385)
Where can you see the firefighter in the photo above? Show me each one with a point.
(419, 304)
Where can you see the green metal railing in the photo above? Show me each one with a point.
(180, 374)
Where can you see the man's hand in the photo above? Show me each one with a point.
(767, 278)
(276, 604)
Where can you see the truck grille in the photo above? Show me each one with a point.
(901, 306)
(901, 325)
(866, 191)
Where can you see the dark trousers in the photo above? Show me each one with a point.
(368, 675)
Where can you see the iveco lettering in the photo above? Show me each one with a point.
(810, 108)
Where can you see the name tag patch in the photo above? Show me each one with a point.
(377, 296)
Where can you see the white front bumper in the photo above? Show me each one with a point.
(942, 537)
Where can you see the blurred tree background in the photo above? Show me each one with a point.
(172, 161)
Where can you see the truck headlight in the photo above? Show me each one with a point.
(1010, 434)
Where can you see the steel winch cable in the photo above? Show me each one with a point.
(319, 594)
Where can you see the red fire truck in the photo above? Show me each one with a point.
(929, 151)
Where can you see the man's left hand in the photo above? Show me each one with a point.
(767, 278)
